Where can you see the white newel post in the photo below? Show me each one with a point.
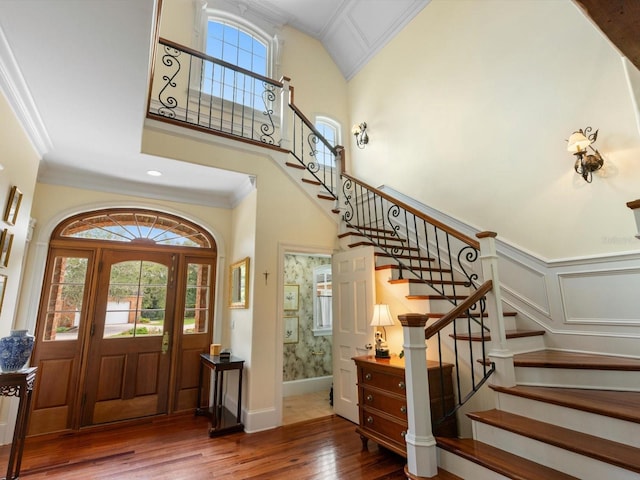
(285, 114)
(422, 460)
(635, 206)
(504, 375)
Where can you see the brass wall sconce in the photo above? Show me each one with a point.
(586, 163)
(360, 132)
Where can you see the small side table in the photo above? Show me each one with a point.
(18, 384)
(222, 420)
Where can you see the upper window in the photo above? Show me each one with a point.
(330, 130)
(236, 46)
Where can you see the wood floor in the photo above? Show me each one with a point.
(179, 449)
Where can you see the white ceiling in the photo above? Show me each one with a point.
(75, 72)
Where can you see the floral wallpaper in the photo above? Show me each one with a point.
(311, 355)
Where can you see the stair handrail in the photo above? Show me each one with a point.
(452, 231)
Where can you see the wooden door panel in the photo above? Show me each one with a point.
(116, 410)
(148, 366)
(55, 377)
(110, 377)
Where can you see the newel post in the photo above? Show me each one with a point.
(285, 117)
(499, 353)
(338, 171)
(635, 206)
(421, 445)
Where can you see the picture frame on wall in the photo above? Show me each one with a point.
(6, 240)
(291, 294)
(13, 206)
(3, 285)
(291, 327)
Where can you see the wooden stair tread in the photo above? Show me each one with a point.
(426, 268)
(441, 475)
(379, 253)
(435, 297)
(427, 282)
(312, 181)
(477, 337)
(608, 451)
(610, 403)
(559, 359)
(295, 165)
(392, 247)
(325, 196)
(499, 461)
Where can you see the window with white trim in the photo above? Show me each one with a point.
(330, 130)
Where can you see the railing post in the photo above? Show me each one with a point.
(635, 206)
(285, 116)
(421, 445)
(499, 353)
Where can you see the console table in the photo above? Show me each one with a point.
(18, 384)
(222, 420)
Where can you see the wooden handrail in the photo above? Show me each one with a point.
(454, 233)
(311, 127)
(217, 61)
(456, 312)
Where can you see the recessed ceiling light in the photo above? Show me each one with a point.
(154, 173)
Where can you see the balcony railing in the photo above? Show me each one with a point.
(206, 93)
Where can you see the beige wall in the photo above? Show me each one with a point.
(469, 109)
(20, 162)
(284, 214)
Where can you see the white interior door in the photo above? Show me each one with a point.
(353, 299)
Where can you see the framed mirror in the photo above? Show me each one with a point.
(239, 284)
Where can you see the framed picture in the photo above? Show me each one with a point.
(13, 206)
(3, 284)
(291, 293)
(6, 239)
(290, 329)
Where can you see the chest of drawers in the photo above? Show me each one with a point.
(382, 401)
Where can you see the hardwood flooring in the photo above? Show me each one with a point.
(178, 448)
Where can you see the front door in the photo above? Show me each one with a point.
(353, 299)
(130, 356)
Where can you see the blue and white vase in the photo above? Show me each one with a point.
(15, 350)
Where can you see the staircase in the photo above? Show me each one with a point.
(569, 415)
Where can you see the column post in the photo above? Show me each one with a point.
(285, 116)
(499, 353)
(422, 458)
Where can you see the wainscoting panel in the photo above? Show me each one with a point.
(607, 297)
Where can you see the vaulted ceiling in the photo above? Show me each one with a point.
(79, 85)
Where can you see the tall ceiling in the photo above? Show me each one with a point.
(78, 84)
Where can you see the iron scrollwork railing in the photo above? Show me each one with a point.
(429, 252)
(314, 152)
(207, 93)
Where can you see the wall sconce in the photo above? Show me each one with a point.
(586, 163)
(381, 318)
(360, 132)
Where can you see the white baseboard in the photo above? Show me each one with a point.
(307, 385)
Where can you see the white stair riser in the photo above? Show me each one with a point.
(578, 378)
(609, 428)
(557, 458)
(464, 468)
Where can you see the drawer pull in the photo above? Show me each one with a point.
(370, 420)
(403, 409)
(401, 385)
(403, 433)
(369, 398)
(367, 376)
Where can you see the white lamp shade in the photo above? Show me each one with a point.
(381, 316)
(577, 142)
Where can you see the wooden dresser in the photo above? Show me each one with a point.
(382, 401)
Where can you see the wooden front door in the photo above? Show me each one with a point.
(129, 361)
